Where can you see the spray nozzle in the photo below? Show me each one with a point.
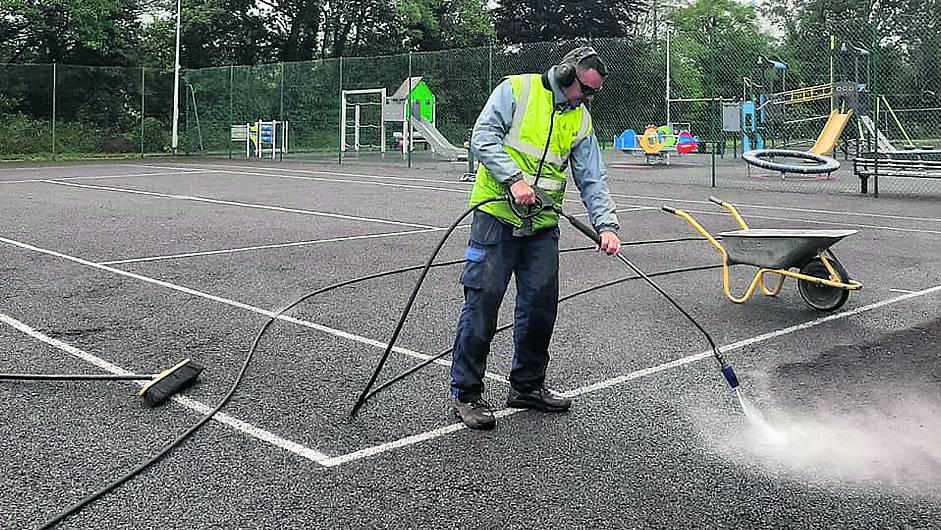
(729, 374)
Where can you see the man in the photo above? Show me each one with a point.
(531, 129)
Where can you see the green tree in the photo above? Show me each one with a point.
(714, 39)
(93, 32)
(213, 33)
(297, 27)
(518, 21)
(360, 28)
(443, 24)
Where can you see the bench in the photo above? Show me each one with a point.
(867, 165)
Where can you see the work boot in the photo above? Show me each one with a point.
(541, 399)
(476, 414)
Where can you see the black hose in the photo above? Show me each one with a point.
(75, 508)
(505, 327)
(411, 300)
(248, 357)
(591, 234)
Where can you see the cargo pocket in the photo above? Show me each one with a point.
(474, 267)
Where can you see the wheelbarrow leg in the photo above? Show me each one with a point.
(774, 290)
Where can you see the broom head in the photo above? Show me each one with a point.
(169, 382)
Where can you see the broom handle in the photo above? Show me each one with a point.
(73, 377)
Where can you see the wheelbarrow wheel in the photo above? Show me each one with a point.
(823, 297)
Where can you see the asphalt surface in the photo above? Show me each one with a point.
(143, 263)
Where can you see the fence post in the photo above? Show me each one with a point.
(53, 110)
(874, 139)
(281, 112)
(342, 116)
(142, 86)
(490, 67)
(408, 111)
(712, 104)
(231, 117)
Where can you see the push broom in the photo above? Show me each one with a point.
(159, 388)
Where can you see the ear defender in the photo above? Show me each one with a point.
(565, 75)
(566, 69)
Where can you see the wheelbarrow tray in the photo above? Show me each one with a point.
(773, 248)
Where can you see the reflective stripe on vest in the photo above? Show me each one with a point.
(525, 142)
(546, 184)
(513, 138)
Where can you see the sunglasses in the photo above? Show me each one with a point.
(587, 90)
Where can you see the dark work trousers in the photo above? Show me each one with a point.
(492, 255)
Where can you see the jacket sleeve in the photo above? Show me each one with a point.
(491, 127)
(591, 179)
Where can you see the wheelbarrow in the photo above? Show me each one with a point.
(822, 280)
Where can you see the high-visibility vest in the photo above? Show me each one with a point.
(525, 143)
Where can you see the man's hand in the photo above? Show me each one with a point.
(523, 193)
(610, 243)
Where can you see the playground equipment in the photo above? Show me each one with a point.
(826, 142)
(764, 158)
(412, 104)
(760, 112)
(825, 145)
(262, 139)
(822, 281)
(657, 144)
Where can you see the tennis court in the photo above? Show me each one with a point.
(134, 266)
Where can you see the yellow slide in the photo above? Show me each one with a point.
(831, 132)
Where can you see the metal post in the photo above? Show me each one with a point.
(342, 116)
(53, 110)
(175, 139)
(667, 96)
(356, 128)
(408, 110)
(382, 123)
(231, 119)
(712, 92)
(280, 116)
(874, 140)
(490, 67)
(142, 86)
(832, 80)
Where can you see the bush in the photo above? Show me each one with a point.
(20, 134)
(23, 135)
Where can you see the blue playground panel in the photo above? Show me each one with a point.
(627, 140)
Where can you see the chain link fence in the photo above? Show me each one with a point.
(727, 88)
(66, 111)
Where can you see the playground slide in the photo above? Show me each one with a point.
(885, 146)
(439, 144)
(831, 133)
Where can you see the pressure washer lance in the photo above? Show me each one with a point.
(727, 371)
(543, 202)
(160, 387)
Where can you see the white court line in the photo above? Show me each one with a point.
(810, 221)
(311, 212)
(619, 380)
(791, 209)
(240, 204)
(35, 168)
(462, 191)
(271, 314)
(92, 177)
(265, 247)
(900, 291)
(335, 180)
(643, 197)
(192, 404)
(306, 243)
